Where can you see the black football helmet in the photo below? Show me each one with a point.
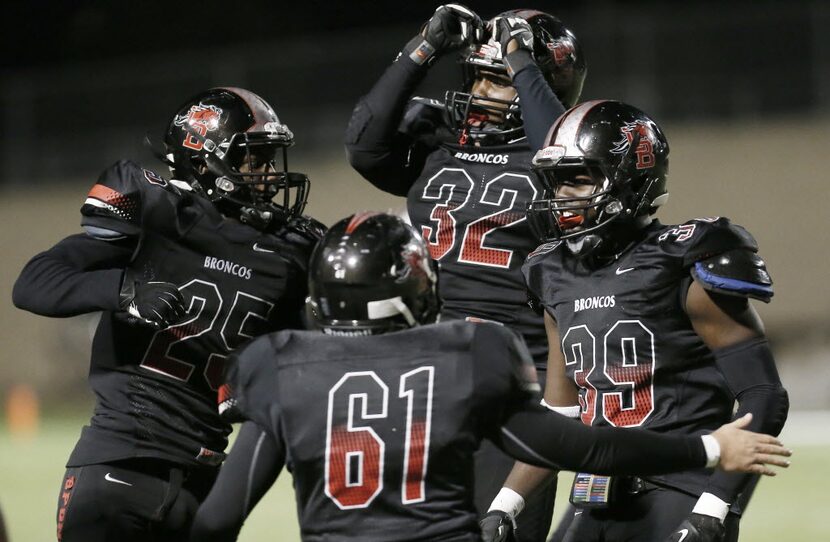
(619, 151)
(555, 50)
(229, 144)
(371, 273)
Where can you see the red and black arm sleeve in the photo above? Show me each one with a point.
(116, 202)
(78, 275)
(375, 146)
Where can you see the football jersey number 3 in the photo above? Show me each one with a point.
(355, 453)
(501, 193)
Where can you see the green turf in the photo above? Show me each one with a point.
(788, 507)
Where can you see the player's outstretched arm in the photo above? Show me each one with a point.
(249, 471)
(536, 436)
(80, 274)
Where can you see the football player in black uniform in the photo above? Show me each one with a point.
(649, 324)
(184, 270)
(464, 167)
(378, 416)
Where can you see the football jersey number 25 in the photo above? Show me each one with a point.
(453, 185)
(173, 351)
(355, 453)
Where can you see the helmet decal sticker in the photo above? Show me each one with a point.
(645, 148)
(202, 119)
(562, 50)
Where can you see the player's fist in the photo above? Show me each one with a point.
(698, 528)
(745, 451)
(497, 526)
(451, 27)
(513, 33)
(156, 304)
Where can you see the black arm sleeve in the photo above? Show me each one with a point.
(540, 106)
(249, 471)
(750, 372)
(78, 275)
(550, 440)
(375, 147)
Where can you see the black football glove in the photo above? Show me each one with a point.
(699, 528)
(497, 526)
(451, 27)
(155, 304)
(514, 30)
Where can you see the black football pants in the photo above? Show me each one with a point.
(143, 500)
(650, 516)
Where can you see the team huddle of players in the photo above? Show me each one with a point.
(566, 312)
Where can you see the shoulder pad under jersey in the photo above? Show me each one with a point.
(702, 238)
(500, 342)
(306, 228)
(738, 272)
(115, 204)
(534, 270)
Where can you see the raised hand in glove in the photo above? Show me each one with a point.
(513, 33)
(155, 304)
(450, 27)
(515, 38)
(497, 526)
(698, 528)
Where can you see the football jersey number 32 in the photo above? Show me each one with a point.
(451, 185)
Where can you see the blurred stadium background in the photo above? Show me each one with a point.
(742, 89)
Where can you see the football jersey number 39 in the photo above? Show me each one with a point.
(451, 185)
(627, 397)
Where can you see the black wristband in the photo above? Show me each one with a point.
(517, 61)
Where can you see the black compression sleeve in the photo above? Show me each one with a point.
(546, 439)
(374, 146)
(750, 372)
(78, 275)
(540, 106)
(249, 471)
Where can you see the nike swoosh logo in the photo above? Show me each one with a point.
(683, 534)
(258, 248)
(108, 477)
(620, 270)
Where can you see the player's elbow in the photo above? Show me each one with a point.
(769, 404)
(24, 292)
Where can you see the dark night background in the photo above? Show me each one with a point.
(85, 80)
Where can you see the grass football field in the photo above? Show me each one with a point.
(791, 506)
